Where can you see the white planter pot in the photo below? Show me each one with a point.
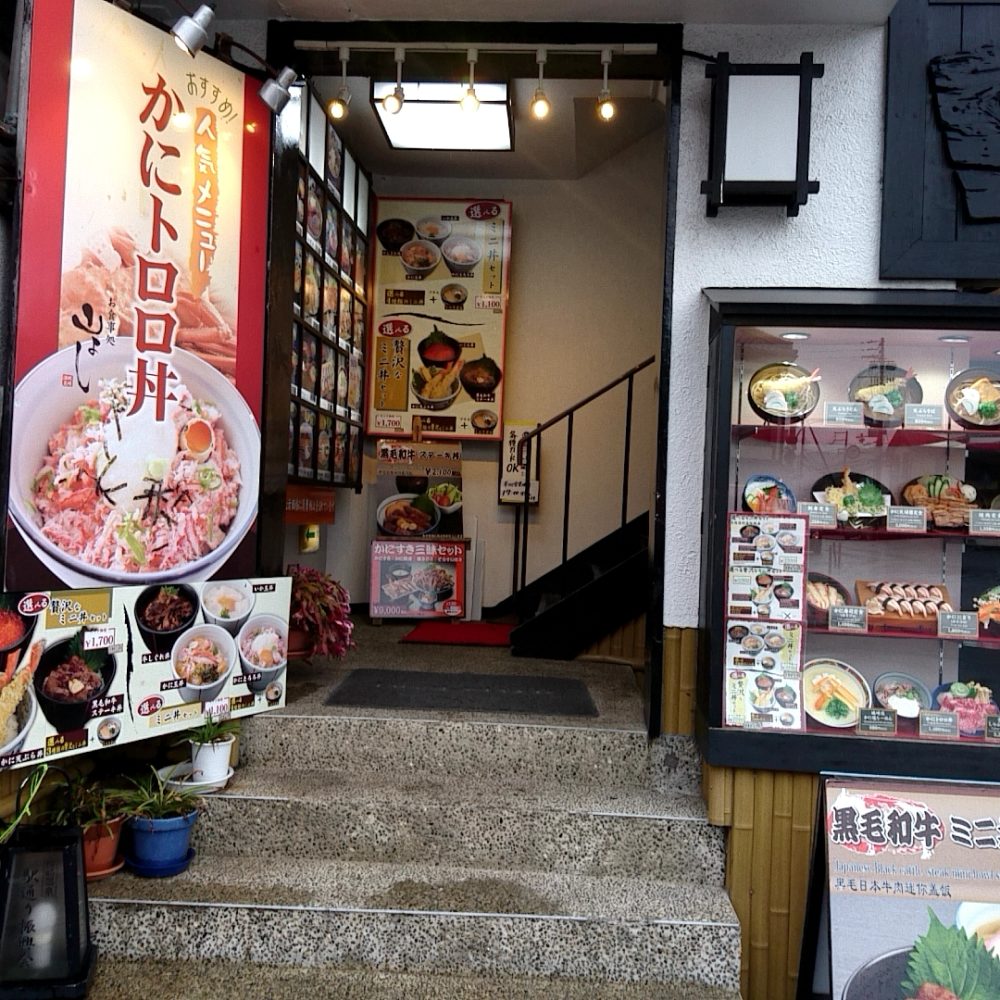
(210, 761)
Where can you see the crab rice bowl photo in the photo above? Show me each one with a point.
(105, 488)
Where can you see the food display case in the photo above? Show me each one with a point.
(851, 545)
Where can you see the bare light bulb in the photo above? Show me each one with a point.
(540, 106)
(469, 100)
(605, 106)
(393, 103)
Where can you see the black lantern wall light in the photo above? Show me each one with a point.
(759, 144)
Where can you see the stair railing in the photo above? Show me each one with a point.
(524, 452)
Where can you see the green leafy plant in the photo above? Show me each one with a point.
(87, 802)
(149, 797)
(32, 785)
(322, 607)
(211, 731)
(946, 956)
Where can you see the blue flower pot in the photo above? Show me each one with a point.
(161, 845)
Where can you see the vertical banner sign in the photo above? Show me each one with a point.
(512, 468)
(914, 886)
(439, 311)
(138, 365)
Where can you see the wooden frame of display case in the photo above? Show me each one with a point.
(814, 752)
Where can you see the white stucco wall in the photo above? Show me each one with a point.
(833, 242)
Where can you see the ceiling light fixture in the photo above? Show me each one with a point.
(191, 31)
(469, 100)
(339, 105)
(605, 106)
(795, 335)
(393, 102)
(540, 106)
(954, 339)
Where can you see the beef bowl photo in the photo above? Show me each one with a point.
(203, 658)
(69, 677)
(108, 486)
(163, 612)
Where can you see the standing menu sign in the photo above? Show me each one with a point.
(439, 309)
(135, 443)
(914, 887)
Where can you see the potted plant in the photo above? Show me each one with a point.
(161, 814)
(211, 749)
(320, 612)
(96, 808)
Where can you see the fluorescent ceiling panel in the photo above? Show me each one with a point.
(431, 117)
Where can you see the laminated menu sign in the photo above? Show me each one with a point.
(418, 579)
(439, 310)
(108, 666)
(762, 668)
(138, 364)
(913, 878)
(419, 489)
(766, 566)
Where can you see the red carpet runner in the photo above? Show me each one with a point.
(460, 633)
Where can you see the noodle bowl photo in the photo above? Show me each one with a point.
(104, 495)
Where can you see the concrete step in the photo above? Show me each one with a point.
(520, 824)
(122, 979)
(423, 918)
(417, 749)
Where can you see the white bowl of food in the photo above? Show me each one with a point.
(14, 727)
(172, 506)
(203, 658)
(227, 603)
(419, 257)
(433, 228)
(461, 253)
(263, 648)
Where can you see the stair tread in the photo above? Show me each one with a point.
(125, 979)
(314, 884)
(326, 786)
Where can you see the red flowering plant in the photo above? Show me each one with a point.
(321, 607)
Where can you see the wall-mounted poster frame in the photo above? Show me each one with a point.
(440, 290)
(139, 308)
(330, 303)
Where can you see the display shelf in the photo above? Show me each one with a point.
(843, 434)
(890, 632)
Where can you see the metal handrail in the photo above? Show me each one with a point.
(524, 454)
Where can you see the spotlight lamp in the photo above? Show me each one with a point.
(191, 31)
(605, 106)
(393, 103)
(274, 91)
(469, 100)
(339, 105)
(540, 106)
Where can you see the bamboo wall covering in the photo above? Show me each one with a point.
(770, 816)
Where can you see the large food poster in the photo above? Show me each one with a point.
(86, 669)
(135, 443)
(914, 887)
(441, 286)
(418, 579)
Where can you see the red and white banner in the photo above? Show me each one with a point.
(140, 308)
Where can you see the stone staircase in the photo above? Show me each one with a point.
(397, 854)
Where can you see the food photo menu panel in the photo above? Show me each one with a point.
(439, 306)
(107, 666)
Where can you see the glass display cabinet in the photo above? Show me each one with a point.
(851, 537)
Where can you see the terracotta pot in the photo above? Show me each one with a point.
(300, 643)
(100, 847)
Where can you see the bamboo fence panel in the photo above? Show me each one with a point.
(806, 789)
(781, 832)
(627, 643)
(680, 661)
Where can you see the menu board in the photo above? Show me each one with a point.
(913, 876)
(439, 309)
(107, 666)
(765, 608)
(418, 579)
(138, 365)
(329, 305)
(418, 492)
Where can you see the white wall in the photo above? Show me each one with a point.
(834, 242)
(585, 306)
